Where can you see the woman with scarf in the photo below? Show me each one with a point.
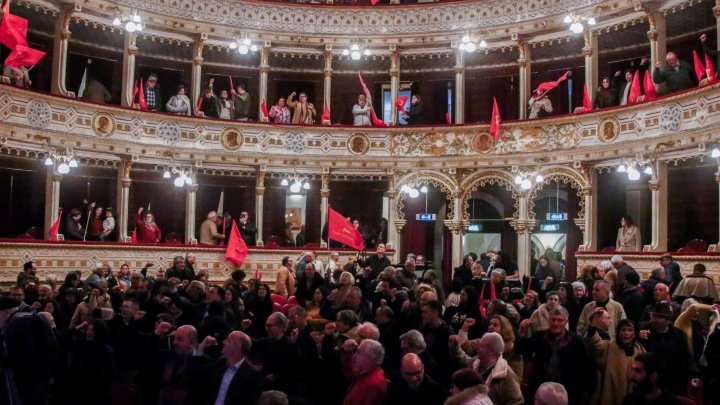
(280, 113)
(540, 106)
(179, 104)
(303, 112)
(146, 230)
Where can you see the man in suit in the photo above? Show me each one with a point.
(232, 379)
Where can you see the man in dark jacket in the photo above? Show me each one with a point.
(678, 75)
(376, 262)
(241, 105)
(307, 283)
(657, 276)
(415, 388)
(632, 299)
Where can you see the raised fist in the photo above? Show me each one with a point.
(658, 65)
(703, 37)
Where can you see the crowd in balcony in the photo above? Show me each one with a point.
(361, 332)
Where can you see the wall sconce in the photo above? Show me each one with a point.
(183, 176)
(632, 167)
(526, 178)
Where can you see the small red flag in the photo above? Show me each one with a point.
(263, 108)
(400, 103)
(236, 250)
(135, 91)
(197, 112)
(232, 89)
(493, 294)
(699, 68)
(342, 230)
(495, 121)
(447, 118)
(650, 93)
(587, 104)
(56, 226)
(222, 241)
(635, 91)
(143, 103)
(374, 2)
(529, 284)
(325, 115)
(13, 29)
(133, 238)
(709, 69)
(551, 85)
(24, 56)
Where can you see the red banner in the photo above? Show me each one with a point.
(13, 29)
(699, 68)
(56, 226)
(587, 104)
(341, 230)
(236, 250)
(709, 69)
(495, 121)
(143, 102)
(24, 56)
(635, 91)
(551, 85)
(263, 107)
(650, 93)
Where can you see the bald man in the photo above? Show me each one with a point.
(677, 75)
(661, 293)
(231, 379)
(415, 388)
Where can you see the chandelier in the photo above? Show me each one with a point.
(413, 192)
(64, 160)
(715, 152)
(182, 176)
(132, 21)
(356, 51)
(296, 182)
(633, 166)
(579, 21)
(243, 44)
(525, 178)
(469, 43)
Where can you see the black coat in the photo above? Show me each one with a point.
(430, 392)
(416, 115)
(245, 387)
(605, 98)
(682, 79)
(74, 230)
(303, 293)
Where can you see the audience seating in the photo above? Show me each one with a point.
(273, 239)
(311, 245)
(698, 245)
(125, 394)
(286, 308)
(35, 232)
(278, 299)
(292, 301)
(172, 237)
(686, 250)
(608, 249)
(277, 307)
(24, 236)
(272, 245)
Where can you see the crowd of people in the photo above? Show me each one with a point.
(362, 332)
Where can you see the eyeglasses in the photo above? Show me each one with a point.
(270, 325)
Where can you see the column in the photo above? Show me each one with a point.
(656, 34)
(589, 192)
(259, 200)
(196, 80)
(394, 84)
(128, 72)
(717, 180)
(327, 89)
(52, 198)
(457, 228)
(459, 86)
(60, 47)
(123, 200)
(324, 196)
(524, 73)
(658, 189)
(523, 226)
(264, 70)
(716, 13)
(190, 207)
(590, 52)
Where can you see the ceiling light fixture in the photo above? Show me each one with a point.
(132, 21)
(65, 159)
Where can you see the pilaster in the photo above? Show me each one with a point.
(259, 201)
(459, 86)
(264, 71)
(196, 74)
(123, 200)
(128, 72)
(327, 89)
(52, 198)
(394, 83)
(60, 47)
(190, 209)
(524, 74)
(324, 196)
(590, 52)
(659, 219)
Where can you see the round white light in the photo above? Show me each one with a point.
(525, 185)
(116, 21)
(465, 39)
(591, 21)
(295, 187)
(483, 44)
(130, 26)
(48, 161)
(73, 163)
(539, 178)
(346, 52)
(715, 152)
(354, 47)
(179, 182)
(423, 189)
(405, 188)
(306, 186)
(470, 47)
(518, 179)
(413, 193)
(567, 19)
(367, 52)
(166, 175)
(63, 168)
(284, 182)
(633, 174)
(136, 18)
(233, 45)
(355, 55)
(576, 28)
(462, 47)
(648, 170)
(253, 48)
(247, 41)
(138, 27)
(622, 169)
(243, 49)
(188, 180)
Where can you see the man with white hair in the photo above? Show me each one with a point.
(551, 393)
(362, 369)
(657, 276)
(499, 377)
(623, 269)
(415, 388)
(98, 273)
(209, 234)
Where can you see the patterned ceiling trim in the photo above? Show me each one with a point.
(625, 24)
(675, 6)
(96, 24)
(350, 20)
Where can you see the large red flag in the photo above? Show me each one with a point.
(263, 108)
(493, 293)
(376, 122)
(236, 250)
(495, 121)
(143, 103)
(341, 230)
(325, 115)
(24, 56)
(374, 2)
(709, 69)
(136, 90)
(587, 104)
(699, 68)
(650, 93)
(13, 29)
(551, 85)
(56, 226)
(635, 91)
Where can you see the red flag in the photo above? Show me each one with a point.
(325, 115)
(237, 250)
(13, 29)
(374, 2)
(24, 56)
(709, 69)
(263, 108)
(133, 238)
(551, 85)
(635, 91)
(493, 294)
(529, 284)
(56, 226)
(222, 241)
(587, 104)
(143, 103)
(495, 121)
(377, 122)
(650, 93)
(447, 118)
(135, 91)
(232, 89)
(342, 230)
(197, 112)
(699, 68)
(400, 102)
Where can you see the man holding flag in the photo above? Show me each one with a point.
(361, 113)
